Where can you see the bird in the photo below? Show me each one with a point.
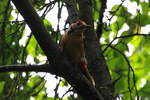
(72, 44)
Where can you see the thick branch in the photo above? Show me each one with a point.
(97, 63)
(26, 68)
(53, 53)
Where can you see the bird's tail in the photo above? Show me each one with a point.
(89, 76)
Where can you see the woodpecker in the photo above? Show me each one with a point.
(72, 43)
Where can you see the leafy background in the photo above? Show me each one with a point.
(126, 52)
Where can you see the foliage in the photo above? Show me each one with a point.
(126, 51)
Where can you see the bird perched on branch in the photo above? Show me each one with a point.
(72, 43)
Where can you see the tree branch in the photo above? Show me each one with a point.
(99, 28)
(123, 37)
(97, 63)
(53, 53)
(72, 10)
(133, 74)
(26, 68)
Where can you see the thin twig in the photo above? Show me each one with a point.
(69, 90)
(23, 51)
(123, 37)
(114, 12)
(56, 90)
(129, 69)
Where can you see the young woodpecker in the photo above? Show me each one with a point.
(72, 43)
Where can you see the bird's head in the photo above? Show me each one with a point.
(78, 26)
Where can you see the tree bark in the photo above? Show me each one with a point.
(96, 60)
(27, 68)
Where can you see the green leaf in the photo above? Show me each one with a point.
(144, 92)
(2, 83)
(48, 25)
(38, 3)
(122, 46)
(31, 48)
